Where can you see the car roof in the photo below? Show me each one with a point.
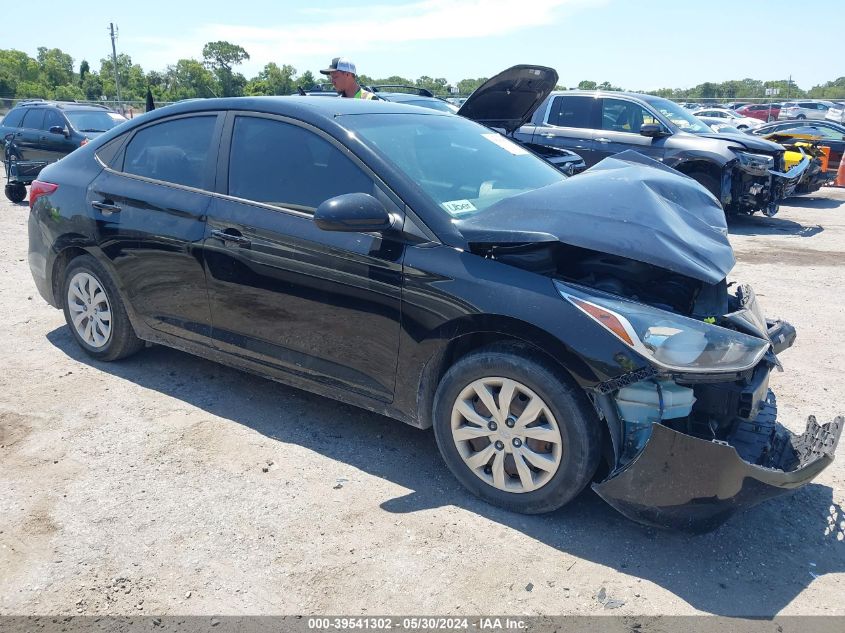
(62, 105)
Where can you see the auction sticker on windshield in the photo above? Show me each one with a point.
(501, 141)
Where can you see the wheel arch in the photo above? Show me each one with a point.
(469, 335)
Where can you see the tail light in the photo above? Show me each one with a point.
(38, 189)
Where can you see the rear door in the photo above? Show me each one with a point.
(27, 138)
(621, 121)
(150, 212)
(320, 306)
(569, 123)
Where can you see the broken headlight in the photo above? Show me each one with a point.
(669, 340)
(757, 163)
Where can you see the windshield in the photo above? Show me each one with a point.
(462, 166)
(679, 116)
(93, 120)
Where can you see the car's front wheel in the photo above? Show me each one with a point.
(94, 311)
(514, 431)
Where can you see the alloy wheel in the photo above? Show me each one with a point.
(89, 309)
(506, 434)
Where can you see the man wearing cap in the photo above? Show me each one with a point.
(344, 79)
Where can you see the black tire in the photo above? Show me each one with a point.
(121, 340)
(15, 192)
(576, 420)
(801, 117)
(709, 182)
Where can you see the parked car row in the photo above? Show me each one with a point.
(38, 132)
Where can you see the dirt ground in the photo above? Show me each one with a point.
(169, 485)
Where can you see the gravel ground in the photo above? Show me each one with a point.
(169, 485)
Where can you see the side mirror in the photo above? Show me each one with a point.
(58, 129)
(653, 130)
(353, 212)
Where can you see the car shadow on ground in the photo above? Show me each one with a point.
(754, 565)
(816, 201)
(757, 225)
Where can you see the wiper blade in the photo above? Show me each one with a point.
(91, 130)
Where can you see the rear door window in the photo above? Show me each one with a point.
(34, 119)
(286, 165)
(572, 112)
(178, 151)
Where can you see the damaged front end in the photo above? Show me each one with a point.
(695, 437)
(758, 181)
(643, 256)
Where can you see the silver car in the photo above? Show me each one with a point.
(805, 110)
(836, 112)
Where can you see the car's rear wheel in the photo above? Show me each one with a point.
(514, 431)
(15, 192)
(94, 311)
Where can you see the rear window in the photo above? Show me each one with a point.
(14, 118)
(571, 111)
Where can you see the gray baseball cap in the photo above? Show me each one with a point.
(340, 63)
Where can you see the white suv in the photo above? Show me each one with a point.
(836, 112)
(805, 110)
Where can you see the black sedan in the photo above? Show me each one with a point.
(553, 331)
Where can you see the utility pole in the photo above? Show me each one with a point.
(114, 60)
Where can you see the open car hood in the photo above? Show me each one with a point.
(627, 205)
(510, 98)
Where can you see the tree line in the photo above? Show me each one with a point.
(52, 74)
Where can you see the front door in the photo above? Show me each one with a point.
(322, 306)
(621, 121)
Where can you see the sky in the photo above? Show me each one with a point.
(634, 44)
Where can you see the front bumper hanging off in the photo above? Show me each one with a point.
(682, 482)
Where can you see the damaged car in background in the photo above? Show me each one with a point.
(555, 332)
(746, 174)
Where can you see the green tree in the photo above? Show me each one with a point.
(587, 85)
(189, 79)
(468, 86)
(84, 69)
(55, 67)
(221, 57)
(307, 80)
(278, 80)
(831, 90)
(437, 86)
(92, 87)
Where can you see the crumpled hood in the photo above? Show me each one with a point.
(754, 143)
(626, 205)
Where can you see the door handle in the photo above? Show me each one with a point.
(602, 140)
(231, 236)
(106, 207)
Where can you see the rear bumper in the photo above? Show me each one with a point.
(681, 482)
